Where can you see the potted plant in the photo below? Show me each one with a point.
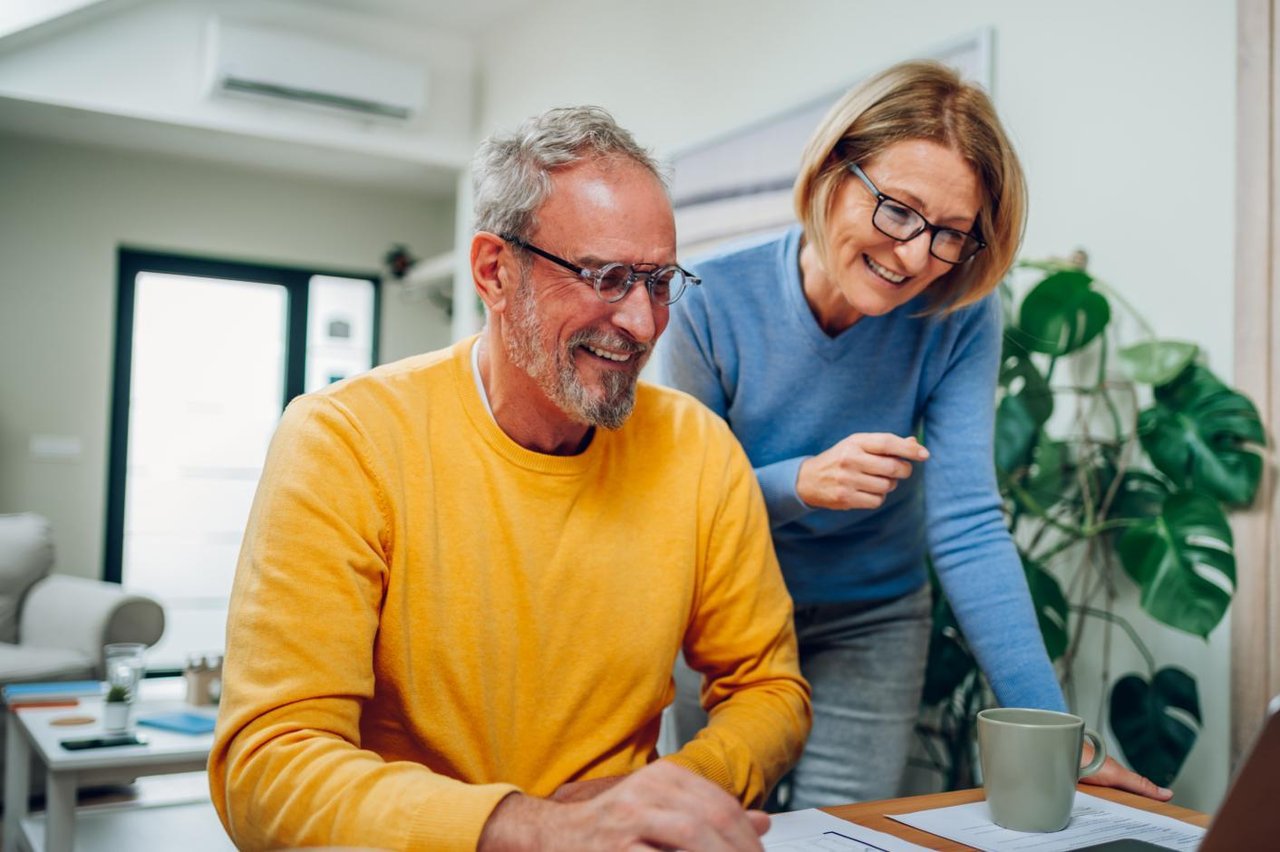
(115, 708)
(1111, 474)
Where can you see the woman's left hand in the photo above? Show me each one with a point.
(1112, 774)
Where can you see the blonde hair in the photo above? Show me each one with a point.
(921, 100)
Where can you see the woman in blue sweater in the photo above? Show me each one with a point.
(827, 349)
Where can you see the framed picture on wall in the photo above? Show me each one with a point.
(739, 184)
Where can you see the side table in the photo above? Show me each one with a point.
(31, 732)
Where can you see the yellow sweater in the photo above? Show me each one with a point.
(427, 616)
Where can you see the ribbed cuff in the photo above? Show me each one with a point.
(697, 758)
(455, 820)
(778, 483)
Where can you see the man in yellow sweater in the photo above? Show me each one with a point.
(467, 574)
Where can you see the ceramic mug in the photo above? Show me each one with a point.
(1030, 765)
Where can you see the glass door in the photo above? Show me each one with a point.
(208, 355)
(208, 380)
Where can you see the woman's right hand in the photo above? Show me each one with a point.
(858, 472)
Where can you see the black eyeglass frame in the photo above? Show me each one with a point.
(934, 230)
(595, 276)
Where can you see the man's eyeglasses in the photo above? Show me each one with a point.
(904, 223)
(613, 281)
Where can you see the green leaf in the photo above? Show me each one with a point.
(1015, 434)
(1050, 605)
(1049, 474)
(1090, 468)
(1156, 362)
(1016, 431)
(1184, 562)
(1140, 495)
(1197, 431)
(1021, 378)
(1062, 314)
(1156, 723)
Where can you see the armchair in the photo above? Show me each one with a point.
(53, 626)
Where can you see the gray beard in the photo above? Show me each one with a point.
(554, 371)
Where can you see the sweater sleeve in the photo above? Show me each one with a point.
(286, 767)
(742, 640)
(973, 553)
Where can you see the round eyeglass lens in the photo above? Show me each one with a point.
(666, 285)
(611, 282)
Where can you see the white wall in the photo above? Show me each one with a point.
(64, 211)
(149, 62)
(1109, 103)
(1123, 113)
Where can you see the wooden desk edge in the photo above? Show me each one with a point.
(874, 815)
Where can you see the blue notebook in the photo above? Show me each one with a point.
(53, 689)
(183, 723)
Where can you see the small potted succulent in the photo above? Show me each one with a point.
(115, 708)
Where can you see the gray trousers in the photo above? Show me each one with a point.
(865, 662)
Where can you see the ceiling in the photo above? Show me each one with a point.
(467, 17)
(462, 16)
(143, 136)
(30, 22)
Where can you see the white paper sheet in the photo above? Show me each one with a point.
(812, 829)
(1093, 820)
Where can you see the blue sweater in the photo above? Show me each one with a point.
(748, 346)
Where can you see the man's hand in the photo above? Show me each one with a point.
(662, 806)
(858, 472)
(1112, 774)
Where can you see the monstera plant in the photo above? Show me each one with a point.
(1113, 463)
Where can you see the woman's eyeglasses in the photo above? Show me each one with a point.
(903, 222)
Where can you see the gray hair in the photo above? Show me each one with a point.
(511, 173)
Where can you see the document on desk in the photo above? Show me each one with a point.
(813, 830)
(1093, 820)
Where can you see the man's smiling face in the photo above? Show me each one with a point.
(583, 353)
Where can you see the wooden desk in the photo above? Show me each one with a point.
(874, 814)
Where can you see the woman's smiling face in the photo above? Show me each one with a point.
(868, 273)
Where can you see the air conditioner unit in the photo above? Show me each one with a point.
(266, 63)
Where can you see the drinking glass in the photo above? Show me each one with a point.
(125, 663)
